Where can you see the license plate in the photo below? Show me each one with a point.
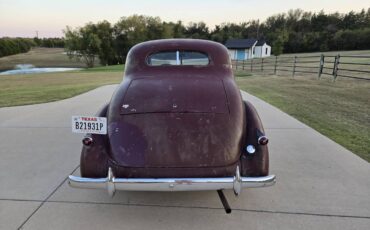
(93, 125)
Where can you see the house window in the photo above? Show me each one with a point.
(266, 51)
(254, 50)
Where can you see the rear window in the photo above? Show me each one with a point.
(178, 58)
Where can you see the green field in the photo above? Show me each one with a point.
(46, 87)
(339, 110)
(41, 57)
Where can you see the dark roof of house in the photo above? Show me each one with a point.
(240, 43)
(260, 43)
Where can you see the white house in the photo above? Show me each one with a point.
(244, 49)
(261, 49)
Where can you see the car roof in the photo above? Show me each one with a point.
(137, 57)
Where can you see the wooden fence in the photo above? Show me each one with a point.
(345, 66)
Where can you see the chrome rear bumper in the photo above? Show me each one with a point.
(171, 184)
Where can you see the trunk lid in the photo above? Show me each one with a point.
(178, 122)
(175, 95)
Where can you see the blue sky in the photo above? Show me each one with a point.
(49, 17)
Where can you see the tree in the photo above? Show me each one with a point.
(107, 54)
(129, 31)
(278, 44)
(197, 30)
(10, 46)
(82, 43)
(154, 28)
(291, 32)
(178, 30)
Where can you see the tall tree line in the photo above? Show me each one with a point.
(11, 46)
(49, 42)
(292, 32)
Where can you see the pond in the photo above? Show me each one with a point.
(28, 69)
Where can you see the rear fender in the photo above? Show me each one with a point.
(256, 164)
(94, 158)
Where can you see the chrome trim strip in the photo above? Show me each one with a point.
(111, 184)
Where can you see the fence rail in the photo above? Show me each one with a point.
(345, 66)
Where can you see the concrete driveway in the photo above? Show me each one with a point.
(320, 184)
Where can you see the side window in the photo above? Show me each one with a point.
(266, 51)
(178, 58)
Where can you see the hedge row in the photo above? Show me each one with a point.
(10, 46)
(49, 42)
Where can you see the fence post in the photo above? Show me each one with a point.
(251, 64)
(236, 64)
(321, 67)
(243, 64)
(294, 65)
(262, 65)
(336, 66)
(276, 58)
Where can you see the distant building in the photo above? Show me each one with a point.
(261, 49)
(244, 49)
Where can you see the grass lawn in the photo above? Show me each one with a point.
(112, 68)
(340, 110)
(41, 57)
(39, 88)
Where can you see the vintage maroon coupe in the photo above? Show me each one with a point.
(177, 122)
